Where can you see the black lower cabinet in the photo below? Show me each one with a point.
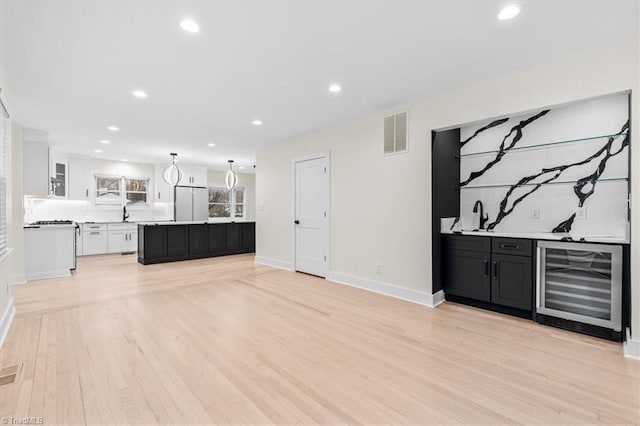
(512, 281)
(249, 236)
(198, 239)
(217, 236)
(167, 243)
(152, 242)
(177, 240)
(477, 270)
(234, 236)
(467, 274)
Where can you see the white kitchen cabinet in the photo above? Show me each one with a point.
(193, 176)
(35, 168)
(117, 241)
(79, 181)
(49, 251)
(122, 237)
(94, 241)
(58, 175)
(163, 192)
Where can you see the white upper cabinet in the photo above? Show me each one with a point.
(58, 174)
(35, 171)
(193, 176)
(163, 192)
(79, 180)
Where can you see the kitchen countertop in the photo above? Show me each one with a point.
(62, 226)
(544, 236)
(195, 222)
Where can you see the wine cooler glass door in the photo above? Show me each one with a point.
(580, 282)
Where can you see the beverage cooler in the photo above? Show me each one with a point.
(579, 287)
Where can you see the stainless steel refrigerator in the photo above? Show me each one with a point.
(191, 203)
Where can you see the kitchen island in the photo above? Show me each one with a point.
(160, 242)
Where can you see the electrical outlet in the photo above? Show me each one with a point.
(535, 213)
(261, 207)
(378, 268)
(581, 213)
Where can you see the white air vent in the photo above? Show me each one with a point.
(395, 133)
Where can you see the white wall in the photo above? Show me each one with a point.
(248, 180)
(381, 206)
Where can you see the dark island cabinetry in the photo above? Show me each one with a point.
(159, 243)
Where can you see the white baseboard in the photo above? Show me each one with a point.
(7, 319)
(438, 298)
(47, 274)
(415, 296)
(631, 347)
(274, 263)
(18, 279)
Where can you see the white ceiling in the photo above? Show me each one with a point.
(70, 67)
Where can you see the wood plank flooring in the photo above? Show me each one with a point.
(225, 341)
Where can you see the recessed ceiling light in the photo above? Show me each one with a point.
(189, 26)
(113, 128)
(105, 142)
(508, 12)
(139, 94)
(257, 122)
(98, 151)
(335, 88)
(241, 167)
(125, 160)
(211, 144)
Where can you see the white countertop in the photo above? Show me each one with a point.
(545, 236)
(64, 226)
(196, 222)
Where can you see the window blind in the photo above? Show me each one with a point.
(4, 177)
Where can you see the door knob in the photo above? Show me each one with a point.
(297, 222)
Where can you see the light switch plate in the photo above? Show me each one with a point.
(535, 213)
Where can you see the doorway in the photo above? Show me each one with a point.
(311, 215)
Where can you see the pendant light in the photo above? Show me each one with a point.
(231, 179)
(172, 174)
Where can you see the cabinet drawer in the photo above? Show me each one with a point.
(467, 242)
(117, 226)
(512, 246)
(88, 227)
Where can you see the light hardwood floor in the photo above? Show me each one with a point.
(225, 341)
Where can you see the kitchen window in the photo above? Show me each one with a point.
(121, 190)
(226, 204)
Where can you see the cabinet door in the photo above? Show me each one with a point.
(132, 244)
(155, 242)
(177, 240)
(467, 274)
(35, 166)
(512, 281)
(217, 237)
(249, 237)
(234, 236)
(59, 176)
(197, 239)
(94, 242)
(163, 192)
(79, 181)
(117, 241)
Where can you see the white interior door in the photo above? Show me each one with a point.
(311, 216)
